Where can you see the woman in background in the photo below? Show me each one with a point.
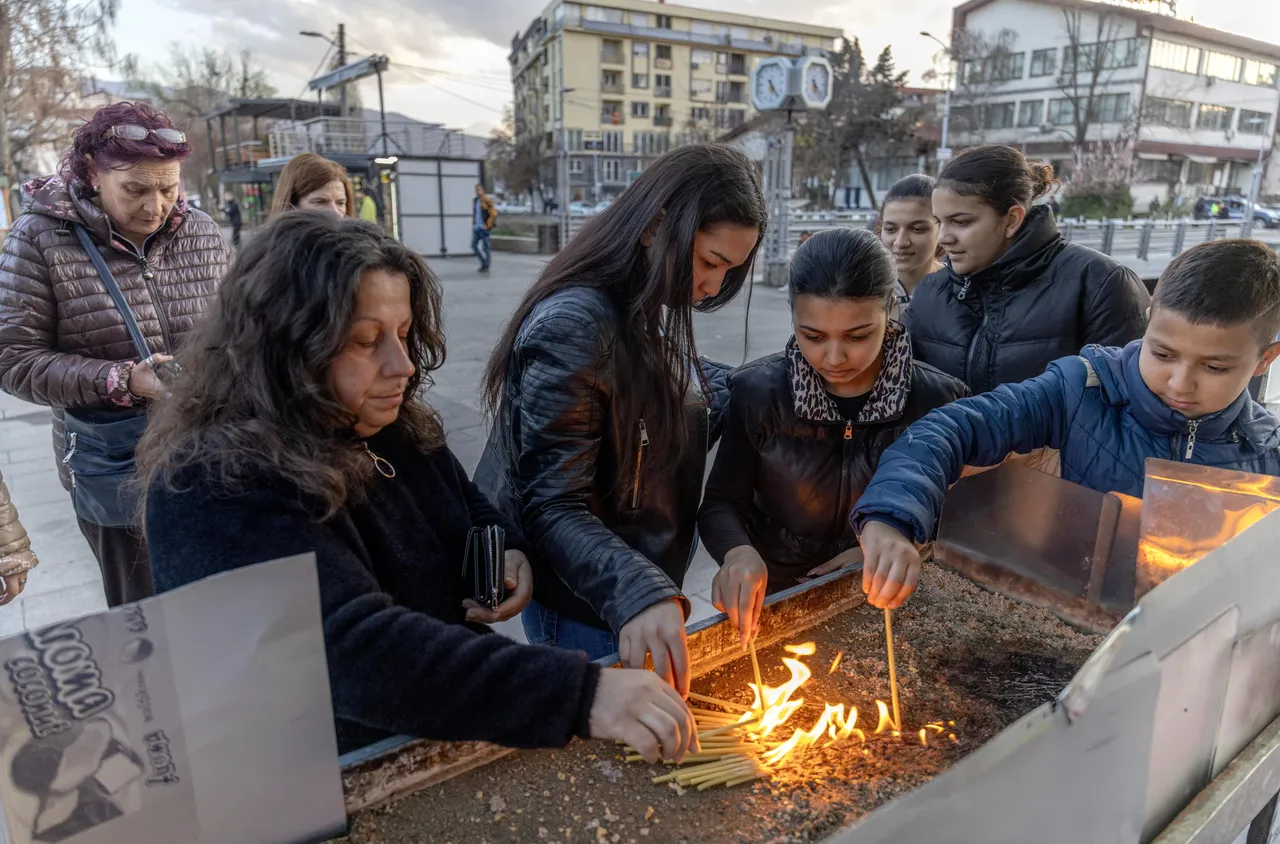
(310, 182)
(909, 231)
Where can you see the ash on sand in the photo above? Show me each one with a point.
(964, 655)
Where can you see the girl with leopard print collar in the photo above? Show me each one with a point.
(806, 426)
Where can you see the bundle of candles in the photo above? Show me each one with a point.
(737, 745)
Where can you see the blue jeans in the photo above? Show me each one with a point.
(544, 627)
(480, 238)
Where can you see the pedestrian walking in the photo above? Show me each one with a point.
(310, 182)
(807, 425)
(302, 429)
(64, 340)
(234, 218)
(910, 233)
(1014, 295)
(484, 218)
(16, 557)
(601, 410)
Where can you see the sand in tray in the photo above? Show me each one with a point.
(964, 655)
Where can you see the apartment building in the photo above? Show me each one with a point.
(620, 82)
(1197, 102)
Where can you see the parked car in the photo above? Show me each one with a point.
(1233, 208)
(511, 208)
(601, 206)
(580, 209)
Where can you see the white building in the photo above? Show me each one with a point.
(1198, 103)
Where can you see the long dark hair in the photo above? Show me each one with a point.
(689, 190)
(843, 264)
(256, 392)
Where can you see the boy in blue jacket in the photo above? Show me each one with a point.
(1179, 393)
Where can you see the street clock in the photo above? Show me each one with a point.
(771, 85)
(815, 82)
(781, 84)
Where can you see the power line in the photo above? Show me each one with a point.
(323, 59)
(422, 80)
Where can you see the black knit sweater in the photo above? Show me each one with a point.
(401, 659)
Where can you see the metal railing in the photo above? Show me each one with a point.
(355, 136)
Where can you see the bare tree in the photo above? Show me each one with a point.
(984, 63)
(193, 83)
(46, 47)
(517, 154)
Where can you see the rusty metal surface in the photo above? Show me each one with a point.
(1193, 686)
(1253, 694)
(1044, 541)
(1220, 812)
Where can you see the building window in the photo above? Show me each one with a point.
(639, 80)
(1044, 62)
(602, 15)
(701, 58)
(611, 51)
(1214, 117)
(662, 85)
(1010, 67)
(1062, 111)
(612, 170)
(1170, 56)
(1259, 73)
(700, 89)
(575, 166)
(664, 22)
(1168, 172)
(1103, 55)
(1222, 66)
(640, 48)
(662, 116)
(611, 81)
(639, 109)
(738, 64)
(611, 141)
(1254, 122)
(652, 143)
(1001, 115)
(611, 112)
(1030, 113)
(1113, 108)
(574, 140)
(1173, 113)
(702, 28)
(698, 115)
(662, 58)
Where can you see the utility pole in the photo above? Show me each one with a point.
(342, 61)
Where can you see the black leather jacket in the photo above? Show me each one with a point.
(1042, 300)
(551, 463)
(790, 467)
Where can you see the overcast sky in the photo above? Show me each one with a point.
(452, 53)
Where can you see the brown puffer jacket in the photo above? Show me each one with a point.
(60, 333)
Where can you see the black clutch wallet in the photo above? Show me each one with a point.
(486, 561)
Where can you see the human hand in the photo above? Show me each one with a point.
(640, 709)
(849, 557)
(518, 579)
(891, 568)
(659, 632)
(13, 586)
(738, 590)
(143, 381)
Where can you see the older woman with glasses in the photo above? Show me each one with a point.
(117, 200)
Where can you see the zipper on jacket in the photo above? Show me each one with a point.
(973, 344)
(848, 430)
(148, 275)
(843, 504)
(1191, 438)
(644, 441)
(964, 290)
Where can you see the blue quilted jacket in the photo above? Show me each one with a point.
(1094, 408)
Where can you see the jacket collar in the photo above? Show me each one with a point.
(1121, 379)
(51, 196)
(888, 397)
(1033, 249)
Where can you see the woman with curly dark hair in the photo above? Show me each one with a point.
(300, 428)
(66, 344)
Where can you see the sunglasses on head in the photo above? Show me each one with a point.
(132, 132)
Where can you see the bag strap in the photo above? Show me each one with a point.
(109, 281)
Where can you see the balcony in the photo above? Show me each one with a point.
(733, 97)
(662, 64)
(612, 117)
(354, 136)
(612, 88)
(608, 56)
(662, 91)
(663, 120)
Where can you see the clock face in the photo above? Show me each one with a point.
(770, 85)
(817, 84)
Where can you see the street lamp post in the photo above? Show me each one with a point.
(946, 107)
(1256, 185)
(341, 46)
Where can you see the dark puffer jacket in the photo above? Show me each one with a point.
(551, 464)
(1042, 300)
(61, 336)
(790, 467)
